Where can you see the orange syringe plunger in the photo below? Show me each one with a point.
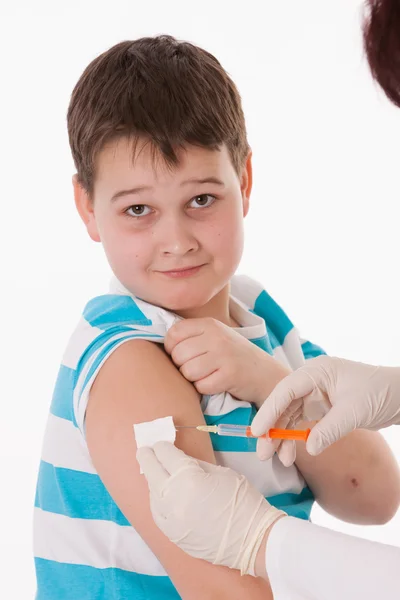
(284, 434)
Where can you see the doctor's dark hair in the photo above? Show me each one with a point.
(381, 32)
(169, 93)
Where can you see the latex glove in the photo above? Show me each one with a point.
(210, 512)
(345, 395)
(216, 359)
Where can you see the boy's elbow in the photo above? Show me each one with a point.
(377, 506)
(384, 517)
(387, 493)
(380, 513)
(388, 505)
(375, 483)
(363, 502)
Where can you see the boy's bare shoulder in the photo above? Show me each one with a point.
(144, 365)
(137, 383)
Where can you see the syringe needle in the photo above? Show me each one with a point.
(207, 428)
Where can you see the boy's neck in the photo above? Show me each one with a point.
(217, 308)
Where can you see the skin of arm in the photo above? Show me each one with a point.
(138, 382)
(357, 479)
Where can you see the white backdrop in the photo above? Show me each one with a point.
(326, 155)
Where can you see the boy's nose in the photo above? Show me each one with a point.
(177, 240)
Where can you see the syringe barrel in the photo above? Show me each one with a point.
(234, 430)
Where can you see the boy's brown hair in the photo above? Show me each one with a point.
(168, 92)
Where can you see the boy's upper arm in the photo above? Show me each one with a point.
(139, 383)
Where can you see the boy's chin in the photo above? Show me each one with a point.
(184, 303)
(181, 306)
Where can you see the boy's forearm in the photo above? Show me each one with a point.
(357, 479)
(270, 376)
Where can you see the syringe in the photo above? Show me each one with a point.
(245, 431)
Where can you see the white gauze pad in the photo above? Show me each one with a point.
(150, 432)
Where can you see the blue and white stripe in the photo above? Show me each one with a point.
(84, 546)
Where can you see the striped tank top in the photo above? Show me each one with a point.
(85, 549)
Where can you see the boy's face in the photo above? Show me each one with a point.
(153, 221)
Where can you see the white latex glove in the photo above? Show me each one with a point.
(345, 395)
(210, 512)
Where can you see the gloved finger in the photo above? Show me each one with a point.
(266, 447)
(154, 472)
(211, 468)
(296, 411)
(291, 388)
(337, 423)
(172, 459)
(316, 405)
(287, 452)
(287, 449)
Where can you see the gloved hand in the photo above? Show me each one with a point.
(210, 512)
(345, 395)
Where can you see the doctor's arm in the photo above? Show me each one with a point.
(303, 560)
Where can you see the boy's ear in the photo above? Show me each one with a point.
(84, 207)
(247, 183)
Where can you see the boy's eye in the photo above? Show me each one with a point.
(142, 210)
(203, 200)
(137, 210)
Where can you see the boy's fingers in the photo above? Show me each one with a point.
(181, 331)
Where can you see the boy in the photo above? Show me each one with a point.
(163, 182)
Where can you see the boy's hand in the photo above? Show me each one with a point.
(217, 359)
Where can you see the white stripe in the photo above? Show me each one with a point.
(65, 447)
(252, 325)
(292, 349)
(81, 338)
(303, 341)
(269, 477)
(222, 404)
(80, 399)
(246, 289)
(279, 354)
(116, 287)
(99, 544)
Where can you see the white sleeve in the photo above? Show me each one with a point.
(305, 561)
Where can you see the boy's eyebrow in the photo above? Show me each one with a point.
(142, 188)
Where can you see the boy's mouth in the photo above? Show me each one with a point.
(182, 272)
